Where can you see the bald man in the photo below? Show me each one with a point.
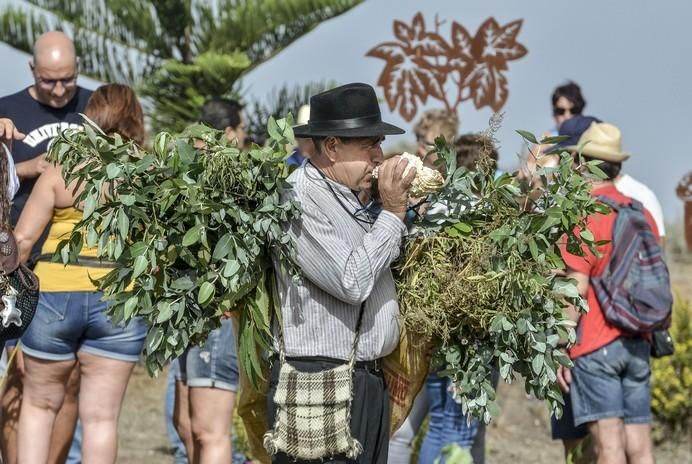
(51, 104)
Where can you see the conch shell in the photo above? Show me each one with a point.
(427, 180)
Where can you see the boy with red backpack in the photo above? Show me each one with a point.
(627, 288)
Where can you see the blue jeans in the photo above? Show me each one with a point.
(447, 423)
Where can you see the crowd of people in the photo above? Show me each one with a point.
(64, 390)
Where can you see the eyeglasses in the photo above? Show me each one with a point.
(557, 111)
(49, 84)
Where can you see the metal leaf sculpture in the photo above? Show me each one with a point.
(422, 64)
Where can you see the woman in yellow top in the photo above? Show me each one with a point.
(70, 325)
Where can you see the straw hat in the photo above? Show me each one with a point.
(602, 141)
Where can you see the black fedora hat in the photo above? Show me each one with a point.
(351, 110)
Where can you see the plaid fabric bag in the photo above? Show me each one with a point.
(313, 411)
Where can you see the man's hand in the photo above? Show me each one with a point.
(393, 187)
(33, 167)
(8, 132)
(564, 378)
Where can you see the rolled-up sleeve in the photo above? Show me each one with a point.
(346, 272)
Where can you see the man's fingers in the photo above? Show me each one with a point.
(18, 135)
(398, 168)
(564, 378)
(410, 176)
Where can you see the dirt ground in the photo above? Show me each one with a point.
(520, 435)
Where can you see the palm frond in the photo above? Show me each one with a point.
(261, 28)
(177, 90)
(107, 52)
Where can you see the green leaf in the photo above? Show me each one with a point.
(586, 235)
(113, 171)
(165, 312)
(223, 246)
(127, 200)
(192, 235)
(130, 306)
(123, 224)
(206, 293)
(140, 266)
(183, 283)
(566, 287)
(154, 338)
(528, 136)
(537, 364)
(89, 206)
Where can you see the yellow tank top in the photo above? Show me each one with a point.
(56, 277)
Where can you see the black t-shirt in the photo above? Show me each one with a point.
(41, 124)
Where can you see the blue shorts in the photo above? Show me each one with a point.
(214, 364)
(68, 322)
(613, 381)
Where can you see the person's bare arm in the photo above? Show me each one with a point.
(38, 211)
(33, 168)
(564, 374)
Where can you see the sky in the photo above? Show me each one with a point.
(632, 58)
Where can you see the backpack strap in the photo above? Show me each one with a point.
(609, 202)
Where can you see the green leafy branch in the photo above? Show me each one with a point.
(479, 276)
(188, 225)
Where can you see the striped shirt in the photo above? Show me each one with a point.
(343, 262)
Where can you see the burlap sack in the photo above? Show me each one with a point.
(405, 370)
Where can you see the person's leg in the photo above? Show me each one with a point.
(177, 445)
(74, 456)
(436, 390)
(599, 398)
(66, 421)
(211, 410)
(181, 417)
(572, 437)
(212, 376)
(400, 443)
(608, 440)
(11, 404)
(103, 386)
(636, 385)
(458, 428)
(43, 395)
(639, 447)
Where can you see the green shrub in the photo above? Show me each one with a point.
(671, 401)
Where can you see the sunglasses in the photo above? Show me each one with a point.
(561, 111)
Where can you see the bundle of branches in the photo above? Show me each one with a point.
(478, 276)
(188, 225)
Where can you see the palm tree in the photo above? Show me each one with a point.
(125, 40)
(156, 45)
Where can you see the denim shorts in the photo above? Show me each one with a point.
(68, 322)
(613, 381)
(214, 364)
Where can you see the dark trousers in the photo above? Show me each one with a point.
(369, 411)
